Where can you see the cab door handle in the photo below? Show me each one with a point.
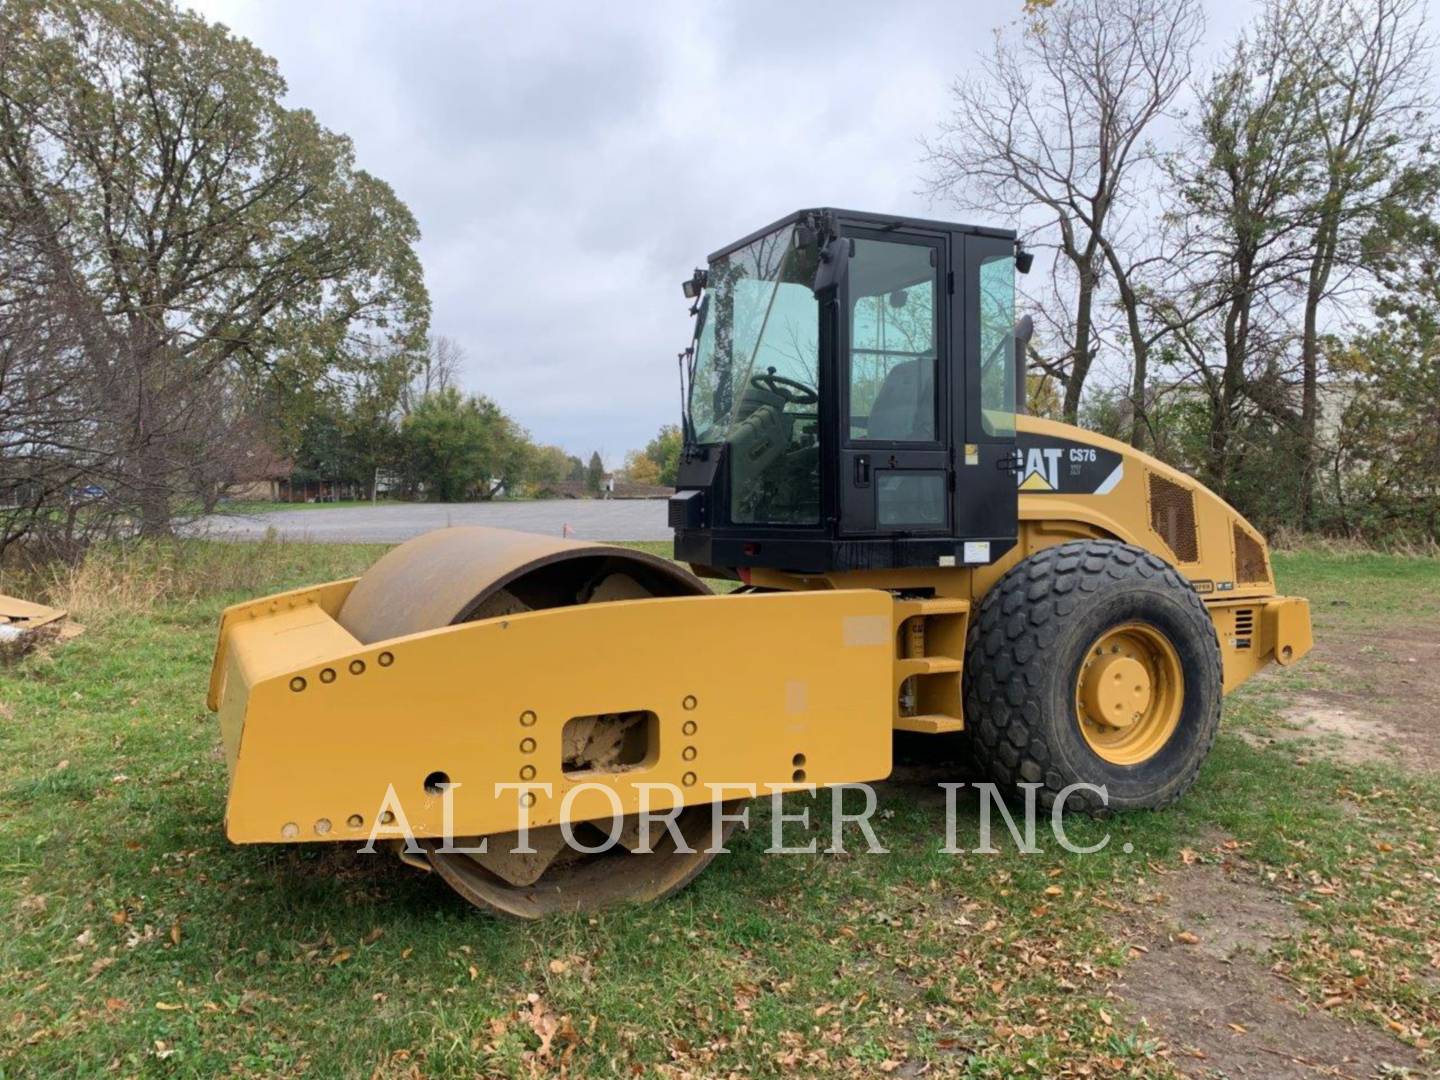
(862, 470)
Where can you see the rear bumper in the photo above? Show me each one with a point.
(1256, 632)
(1286, 629)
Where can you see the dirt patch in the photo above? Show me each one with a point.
(1379, 700)
(1199, 975)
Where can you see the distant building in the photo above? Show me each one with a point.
(260, 476)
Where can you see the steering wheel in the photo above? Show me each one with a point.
(794, 393)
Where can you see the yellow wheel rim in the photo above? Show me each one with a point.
(1128, 693)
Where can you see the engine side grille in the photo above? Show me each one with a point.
(1172, 516)
(1249, 558)
(1244, 627)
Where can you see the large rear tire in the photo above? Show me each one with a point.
(1094, 662)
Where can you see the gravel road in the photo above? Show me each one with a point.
(589, 519)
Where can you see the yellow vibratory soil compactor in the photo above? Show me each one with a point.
(913, 553)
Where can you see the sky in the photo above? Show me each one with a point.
(570, 163)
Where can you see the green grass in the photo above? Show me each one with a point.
(134, 939)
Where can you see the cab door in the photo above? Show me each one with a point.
(895, 466)
(986, 499)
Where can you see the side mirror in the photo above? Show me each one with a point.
(834, 265)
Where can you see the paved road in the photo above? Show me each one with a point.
(589, 519)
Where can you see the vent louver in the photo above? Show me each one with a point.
(1172, 516)
(1244, 627)
(1249, 558)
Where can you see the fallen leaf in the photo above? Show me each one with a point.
(544, 1025)
(567, 1031)
(165, 1006)
(1185, 937)
(559, 967)
(175, 932)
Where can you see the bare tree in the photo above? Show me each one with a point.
(1238, 209)
(1054, 131)
(1367, 95)
(437, 369)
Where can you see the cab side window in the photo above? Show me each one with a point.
(997, 345)
(893, 289)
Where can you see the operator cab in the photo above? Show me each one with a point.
(851, 397)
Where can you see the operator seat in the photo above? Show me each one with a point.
(904, 409)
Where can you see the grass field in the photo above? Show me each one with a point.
(134, 940)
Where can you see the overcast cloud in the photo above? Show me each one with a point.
(570, 163)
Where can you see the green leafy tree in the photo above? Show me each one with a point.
(215, 234)
(1385, 480)
(446, 443)
(350, 433)
(550, 465)
(664, 451)
(594, 473)
(460, 447)
(1368, 93)
(639, 469)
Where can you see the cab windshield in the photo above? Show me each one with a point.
(759, 314)
(756, 378)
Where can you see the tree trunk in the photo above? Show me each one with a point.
(1080, 364)
(1309, 407)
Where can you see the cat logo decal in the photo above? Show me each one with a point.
(1062, 467)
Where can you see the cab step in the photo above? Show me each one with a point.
(930, 724)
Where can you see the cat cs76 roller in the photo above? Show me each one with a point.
(913, 553)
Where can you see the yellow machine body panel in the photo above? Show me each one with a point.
(1144, 502)
(322, 732)
(1158, 508)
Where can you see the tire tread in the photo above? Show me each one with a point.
(1007, 647)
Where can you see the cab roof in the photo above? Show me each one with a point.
(866, 220)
